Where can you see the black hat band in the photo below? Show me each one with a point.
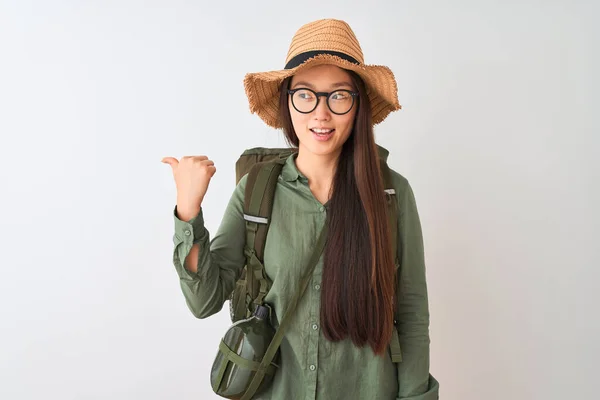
(302, 57)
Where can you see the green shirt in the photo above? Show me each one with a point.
(311, 367)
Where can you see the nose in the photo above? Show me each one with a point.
(322, 111)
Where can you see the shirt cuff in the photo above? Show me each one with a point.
(190, 232)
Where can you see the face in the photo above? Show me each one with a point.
(322, 132)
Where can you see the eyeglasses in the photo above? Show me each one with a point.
(306, 100)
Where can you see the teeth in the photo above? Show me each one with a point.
(322, 130)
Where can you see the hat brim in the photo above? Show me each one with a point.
(262, 88)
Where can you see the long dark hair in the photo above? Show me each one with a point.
(357, 297)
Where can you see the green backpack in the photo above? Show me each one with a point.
(263, 166)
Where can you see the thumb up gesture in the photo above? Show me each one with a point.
(192, 176)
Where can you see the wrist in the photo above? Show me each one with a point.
(186, 212)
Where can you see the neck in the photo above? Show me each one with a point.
(319, 169)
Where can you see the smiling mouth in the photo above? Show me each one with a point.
(322, 132)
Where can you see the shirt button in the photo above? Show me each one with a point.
(187, 233)
(315, 327)
(312, 367)
(317, 287)
(321, 208)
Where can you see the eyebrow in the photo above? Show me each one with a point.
(310, 86)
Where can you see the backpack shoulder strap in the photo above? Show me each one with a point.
(390, 193)
(258, 204)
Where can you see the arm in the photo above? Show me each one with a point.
(414, 380)
(208, 269)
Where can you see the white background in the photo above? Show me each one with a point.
(497, 136)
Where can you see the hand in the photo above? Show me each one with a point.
(192, 176)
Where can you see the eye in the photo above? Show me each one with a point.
(305, 95)
(340, 96)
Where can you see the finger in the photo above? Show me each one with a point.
(207, 162)
(172, 161)
(200, 158)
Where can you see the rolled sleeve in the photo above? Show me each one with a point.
(432, 393)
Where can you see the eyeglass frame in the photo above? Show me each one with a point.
(353, 94)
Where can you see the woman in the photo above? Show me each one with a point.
(326, 100)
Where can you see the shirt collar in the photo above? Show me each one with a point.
(290, 172)
(383, 152)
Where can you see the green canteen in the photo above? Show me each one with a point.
(240, 352)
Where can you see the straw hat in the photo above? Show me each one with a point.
(325, 41)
